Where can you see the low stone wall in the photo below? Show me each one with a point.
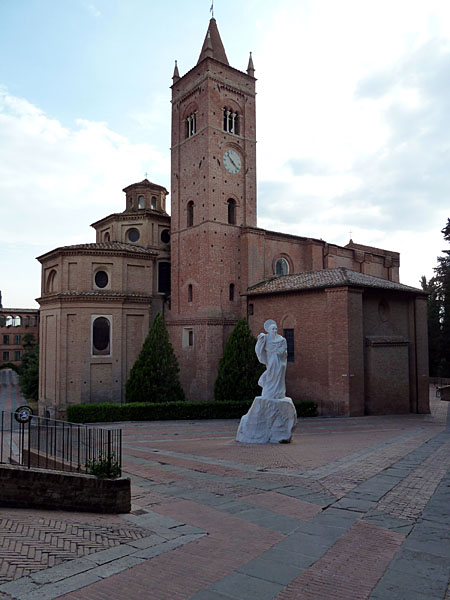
(41, 488)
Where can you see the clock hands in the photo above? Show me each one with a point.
(233, 161)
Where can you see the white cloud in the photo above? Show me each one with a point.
(93, 10)
(353, 125)
(54, 182)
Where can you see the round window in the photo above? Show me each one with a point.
(101, 279)
(165, 236)
(133, 235)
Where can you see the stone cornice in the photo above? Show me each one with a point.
(76, 296)
(133, 216)
(228, 84)
(74, 251)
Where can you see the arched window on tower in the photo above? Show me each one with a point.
(231, 211)
(190, 214)
(282, 267)
(141, 202)
(230, 121)
(191, 124)
(153, 204)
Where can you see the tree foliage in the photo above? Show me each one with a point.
(28, 340)
(154, 375)
(29, 373)
(239, 368)
(438, 312)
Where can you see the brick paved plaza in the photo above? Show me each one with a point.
(353, 508)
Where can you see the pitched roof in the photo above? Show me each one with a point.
(326, 278)
(212, 46)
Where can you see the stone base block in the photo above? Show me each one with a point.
(269, 420)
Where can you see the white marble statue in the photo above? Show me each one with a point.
(272, 416)
(271, 350)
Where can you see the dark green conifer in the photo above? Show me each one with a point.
(239, 367)
(439, 313)
(154, 375)
(29, 372)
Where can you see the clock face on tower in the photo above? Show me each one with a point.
(232, 161)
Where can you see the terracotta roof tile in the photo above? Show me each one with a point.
(109, 246)
(324, 279)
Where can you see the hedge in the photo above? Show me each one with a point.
(140, 411)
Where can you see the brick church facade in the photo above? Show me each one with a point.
(357, 337)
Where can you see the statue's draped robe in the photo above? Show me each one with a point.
(271, 351)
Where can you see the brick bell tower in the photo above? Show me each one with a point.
(213, 183)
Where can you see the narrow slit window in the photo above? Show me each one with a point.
(231, 292)
(231, 211)
(289, 335)
(190, 214)
(190, 292)
(164, 277)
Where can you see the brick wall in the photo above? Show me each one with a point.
(356, 351)
(41, 488)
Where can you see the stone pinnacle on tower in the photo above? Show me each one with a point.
(250, 67)
(176, 74)
(212, 46)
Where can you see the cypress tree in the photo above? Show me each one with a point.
(29, 373)
(239, 367)
(438, 313)
(443, 279)
(154, 375)
(434, 306)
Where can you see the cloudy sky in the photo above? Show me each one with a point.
(353, 121)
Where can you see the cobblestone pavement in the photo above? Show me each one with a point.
(352, 509)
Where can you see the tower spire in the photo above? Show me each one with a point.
(213, 46)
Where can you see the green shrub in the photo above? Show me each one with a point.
(104, 466)
(154, 375)
(239, 367)
(140, 411)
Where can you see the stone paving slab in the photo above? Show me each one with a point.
(353, 509)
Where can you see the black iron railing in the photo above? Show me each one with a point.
(59, 445)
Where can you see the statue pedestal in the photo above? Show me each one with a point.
(268, 420)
